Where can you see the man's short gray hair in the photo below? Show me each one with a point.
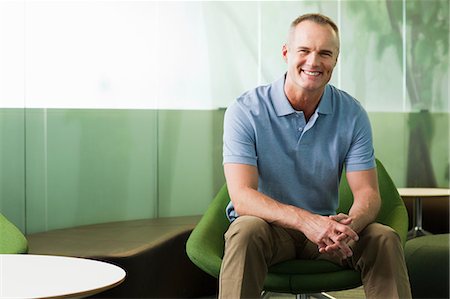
(316, 18)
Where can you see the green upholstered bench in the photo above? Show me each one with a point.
(152, 252)
(427, 259)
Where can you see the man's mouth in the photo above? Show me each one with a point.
(312, 73)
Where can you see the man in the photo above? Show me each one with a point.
(285, 146)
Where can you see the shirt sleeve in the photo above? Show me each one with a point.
(238, 136)
(361, 153)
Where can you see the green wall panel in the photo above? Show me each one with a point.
(190, 160)
(439, 149)
(90, 166)
(36, 170)
(391, 142)
(12, 166)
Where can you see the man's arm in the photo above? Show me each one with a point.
(366, 203)
(242, 181)
(367, 200)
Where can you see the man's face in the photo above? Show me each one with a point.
(311, 55)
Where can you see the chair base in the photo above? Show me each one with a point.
(323, 295)
(316, 295)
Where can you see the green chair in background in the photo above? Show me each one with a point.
(11, 238)
(206, 244)
(427, 259)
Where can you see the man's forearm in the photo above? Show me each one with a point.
(364, 211)
(366, 198)
(242, 183)
(248, 201)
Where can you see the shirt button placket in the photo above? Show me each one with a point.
(300, 124)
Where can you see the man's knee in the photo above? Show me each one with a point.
(248, 229)
(381, 234)
(380, 241)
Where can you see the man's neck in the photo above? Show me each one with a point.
(304, 101)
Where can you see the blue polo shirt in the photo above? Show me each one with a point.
(299, 163)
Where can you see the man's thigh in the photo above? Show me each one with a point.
(279, 243)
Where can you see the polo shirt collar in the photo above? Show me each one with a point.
(283, 107)
(280, 101)
(325, 104)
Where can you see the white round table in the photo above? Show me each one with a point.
(418, 194)
(45, 276)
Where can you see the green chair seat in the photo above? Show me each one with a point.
(206, 244)
(312, 283)
(11, 238)
(310, 276)
(299, 267)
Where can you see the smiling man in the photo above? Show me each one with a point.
(285, 146)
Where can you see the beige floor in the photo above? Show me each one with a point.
(357, 293)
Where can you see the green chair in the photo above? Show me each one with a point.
(427, 259)
(11, 238)
(206, 244)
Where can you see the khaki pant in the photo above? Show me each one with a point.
(252, 245)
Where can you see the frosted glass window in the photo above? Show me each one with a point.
(232, 39)
(427, 54)
(203, 54)
(91, 54)
(371, 58)
(183, 69)
(12, 29)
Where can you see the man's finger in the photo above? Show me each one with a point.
(341, 247)
(339, 217)
(341, 237)
(344, 229)
(335, 250)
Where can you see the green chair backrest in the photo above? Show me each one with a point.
(206, 244)
(11, 238)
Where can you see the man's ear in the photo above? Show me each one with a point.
(284, 52)
(337, 57)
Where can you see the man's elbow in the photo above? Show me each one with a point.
(238, 199)
(237, 202)
(238, 207)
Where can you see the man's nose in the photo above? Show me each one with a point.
(313, 59)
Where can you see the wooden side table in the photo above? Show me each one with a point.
(418, 194)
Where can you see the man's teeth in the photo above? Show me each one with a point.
(312, 73)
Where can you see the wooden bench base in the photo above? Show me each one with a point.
(152, 252)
